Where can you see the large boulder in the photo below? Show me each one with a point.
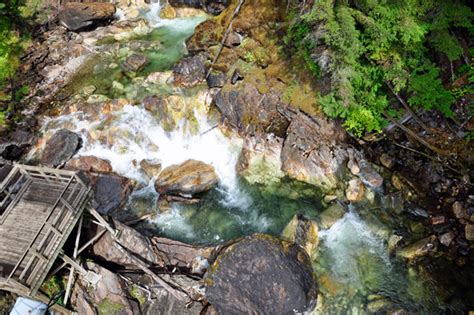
(89, 163)
(314, 151)
(81, 16)
(111, 191)
(251, 112)
(211, 6)
(261, 275)
(60, 148)
(186, 179)
(131, 239)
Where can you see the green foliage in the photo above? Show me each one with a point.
(428, 92)
(375, 44)
(12, 42)
(52, 287)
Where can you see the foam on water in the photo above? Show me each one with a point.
(181, 24)
(345, 242)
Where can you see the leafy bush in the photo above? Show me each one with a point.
(379, 48)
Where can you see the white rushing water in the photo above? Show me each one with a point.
(349, 240)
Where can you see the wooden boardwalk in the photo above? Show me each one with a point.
(39, 208)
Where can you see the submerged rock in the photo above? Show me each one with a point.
(135, 62)
(60, 148)
(80, 16)
(186, 179)
(314, 151)
(304, 232)
(419, 249)
(261, 275)
(89, 164)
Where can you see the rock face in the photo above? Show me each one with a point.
(304, 232)
(190, 71)
(89, 164)
(187, 179)
(250, 112)
(110, 192)
(81, 16)
(108, 297)
(261, 275)
(135, 62)
(131, 239)
(211, 6)
(13, 146)
(60, 148)
(314, 151)
(150, 168)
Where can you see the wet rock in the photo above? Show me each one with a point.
(190, 71)
(447, 238)
(15, 144)
(469, 232)
(261, 275)
(60, 148)
(251, 112)
(355, 190)
(111, 191)
(393, 242)
(303, 232)
(419, 249)
(259, 161)
(214, 7)
(135, 62)
(109, 296)
(387, 161)
(331, 215)
(89, 164)
(186, 179)
(141, 246)
(216, 80)
(168, 12)
(82, 16)
(369, 175)
(314, 152)
(150, 167)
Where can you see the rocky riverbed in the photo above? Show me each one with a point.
(225, 178)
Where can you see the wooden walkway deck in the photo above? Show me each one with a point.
(39, 208)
